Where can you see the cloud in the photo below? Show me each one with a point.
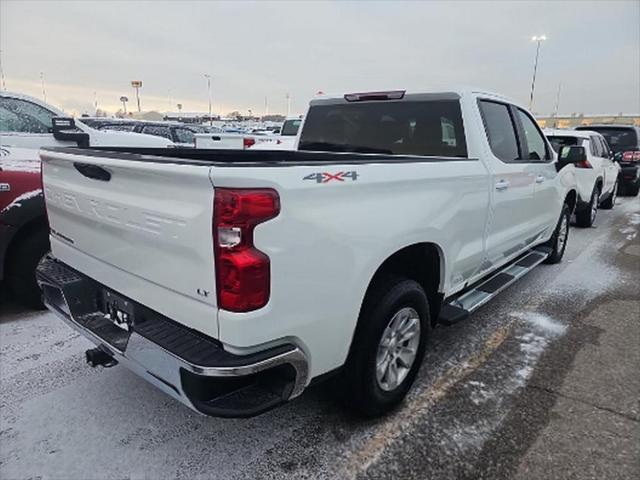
(255, 50)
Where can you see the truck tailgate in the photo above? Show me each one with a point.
(140, 228)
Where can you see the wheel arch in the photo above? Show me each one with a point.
(571, 199)
(25, 230)
(600, 183)
(423, 262)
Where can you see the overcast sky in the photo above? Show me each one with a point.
(266, 49)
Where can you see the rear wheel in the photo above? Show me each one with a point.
(388, 346)
(611, 199)
(21, 274)
(587, 216)
(558, 242)
(633, 189)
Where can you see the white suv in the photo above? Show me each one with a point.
(596, 175)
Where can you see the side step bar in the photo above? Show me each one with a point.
(459, 308)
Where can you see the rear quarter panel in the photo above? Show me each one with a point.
(330, 238)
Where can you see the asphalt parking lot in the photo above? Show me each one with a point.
(542, 382)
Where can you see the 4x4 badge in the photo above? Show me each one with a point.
(326, 177)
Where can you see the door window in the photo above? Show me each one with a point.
(17, 115)
(158, 131)
(536, 146)
(184, 135)
(605, 147)
(500, 130)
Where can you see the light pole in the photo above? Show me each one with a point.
(288, 97)
(124, 101)
(208, 77)
(555, 111)
(539, 39)
(2, 82)
(137, 84)
(44, 92)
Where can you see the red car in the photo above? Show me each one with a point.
(24, 232)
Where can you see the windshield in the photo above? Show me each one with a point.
(428, 127)
(618, 138)
(290, 128)
(558, 142)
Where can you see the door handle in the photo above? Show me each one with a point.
(539, 179)
(502, 185)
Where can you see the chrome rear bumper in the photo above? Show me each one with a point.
(194, 369)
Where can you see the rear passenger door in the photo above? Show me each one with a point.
(511, 226)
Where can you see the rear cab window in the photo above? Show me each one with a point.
(290, 128)
(395, 127)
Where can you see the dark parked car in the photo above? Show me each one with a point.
(179, 133)
(24, 232)
(624, 141)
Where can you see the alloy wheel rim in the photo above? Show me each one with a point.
(594, 206)
(398, 348)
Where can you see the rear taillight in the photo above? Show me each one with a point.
(631, 156)
(243, 279)
(248, 142)
(583, 164)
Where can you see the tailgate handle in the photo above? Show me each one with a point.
(93, 171)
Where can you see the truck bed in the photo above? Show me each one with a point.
(238, 158)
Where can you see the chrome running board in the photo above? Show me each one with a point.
(459, 307)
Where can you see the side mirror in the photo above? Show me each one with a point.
(65, 130)
(571, 155)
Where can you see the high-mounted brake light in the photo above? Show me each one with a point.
(243, 279)
(362, 97)
(248, 142)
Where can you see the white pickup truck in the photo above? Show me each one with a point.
(232, 279)
(27, 122)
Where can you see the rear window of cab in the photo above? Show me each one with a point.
(424, 128)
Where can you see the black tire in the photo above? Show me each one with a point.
(21, 274)
(362, 391)
(557, 246)
(586, 217)
(609, 203)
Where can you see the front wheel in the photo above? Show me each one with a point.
(558, 242)
(388, 346)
